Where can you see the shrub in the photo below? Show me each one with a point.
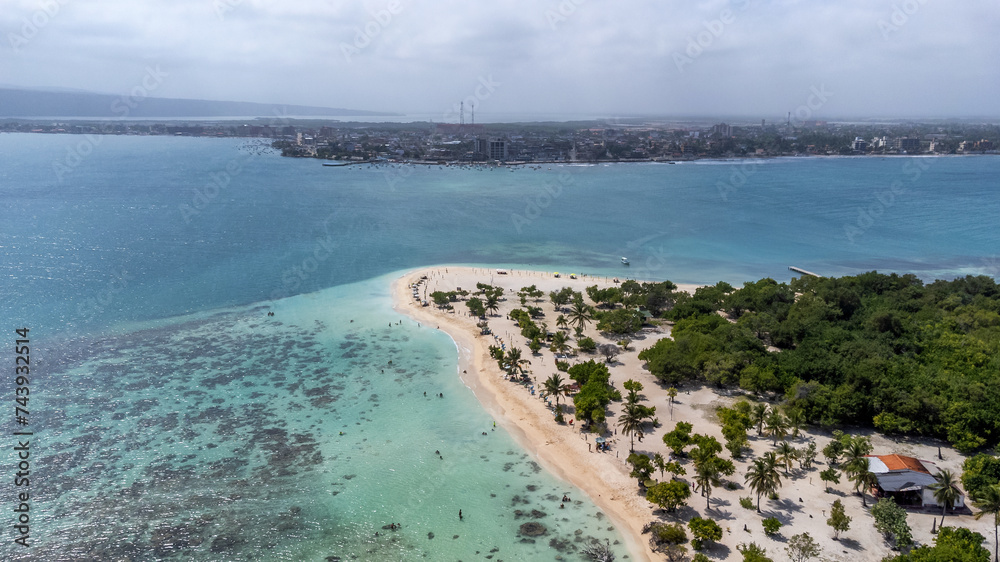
(747, 503)
(771, 525)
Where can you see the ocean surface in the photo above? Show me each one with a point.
(173, 417)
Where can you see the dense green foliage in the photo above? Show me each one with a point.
(753, 553)
(771, 525)
(669, 495)
(980, 472)
(890, 520)
(839, 520)
(878, 350)
(950, 545)
(704, 530)
(595, 393)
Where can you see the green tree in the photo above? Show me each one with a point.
(668, 495)
(515, 364)
(535, 345)
(950, 545)
(586, 345)
(762, 477)
(776, 426)
(561, 322)
(890, 520)
(476, 307)
(839, 520)
(829, 476)
(758, 416)
(946, 491)
(621, 321)
(679, 438)
(554, 386)
(864, 480)
(807, 456)
(642, 467)
(987, 501)
(980, 472)
(492, 303)
(771, 526)
(580, 313)
(753, 553)
(560, 343)
(630, 422)
(786, 455)
(704, 530)
(802, 547)
(796, 420)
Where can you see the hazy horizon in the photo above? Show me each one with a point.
(750, 59)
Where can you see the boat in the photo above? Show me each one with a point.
(624, 260)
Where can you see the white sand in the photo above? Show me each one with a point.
(803, 505)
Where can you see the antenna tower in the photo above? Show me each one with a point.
(461, 113)
(473, 113)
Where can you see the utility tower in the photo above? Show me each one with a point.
(461, 113)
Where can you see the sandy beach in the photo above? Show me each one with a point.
(567, 451)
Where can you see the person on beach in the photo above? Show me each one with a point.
(460, 515)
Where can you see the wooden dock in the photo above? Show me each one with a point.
(802, 271)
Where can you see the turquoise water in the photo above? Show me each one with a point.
(175, 418)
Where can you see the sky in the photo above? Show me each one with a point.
(818, 59)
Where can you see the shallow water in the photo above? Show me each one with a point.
(175, 419)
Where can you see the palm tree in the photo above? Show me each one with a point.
(514, 362)
(758, 415)
(492, 303)
(554, 386)
(864, 479)
(776, 425)
(763, 477)
(562, 322)
(946, 491)
(560, 343)
(796, 419)
(659, 463)
(855, 459)
(631, 423)
(987, 501)
(706, 475)
(786, 454)
(581, 313)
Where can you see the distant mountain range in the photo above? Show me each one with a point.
(45, 103)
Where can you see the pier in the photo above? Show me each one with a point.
(802, 271)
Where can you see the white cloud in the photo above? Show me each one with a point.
(599, 56)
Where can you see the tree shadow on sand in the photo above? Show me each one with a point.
(851, 544)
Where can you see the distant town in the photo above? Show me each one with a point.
(589, 141)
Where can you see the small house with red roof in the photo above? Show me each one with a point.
(906, 480)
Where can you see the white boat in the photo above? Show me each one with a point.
(624, 260)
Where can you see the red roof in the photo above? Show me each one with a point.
(898, 462)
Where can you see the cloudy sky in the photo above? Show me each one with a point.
(830, 58)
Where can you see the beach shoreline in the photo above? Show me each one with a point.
(566, 451)
(559, 449)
